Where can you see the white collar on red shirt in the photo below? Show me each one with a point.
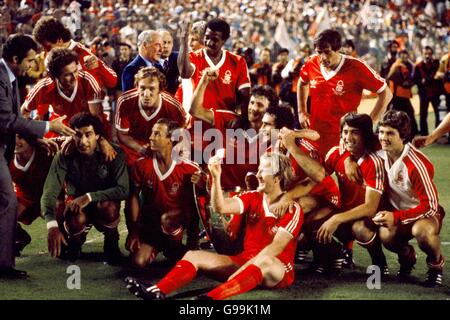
(327, 75)
(150, 117)
(27, 166)
(266, 207)
(74, 92)
(211, 64)
(158, 172)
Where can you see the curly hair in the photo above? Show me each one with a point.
(51, 30)
(86, 119)
(327, 38)
(219, 25)
(58, 58)
(151, 72)
(268, 92)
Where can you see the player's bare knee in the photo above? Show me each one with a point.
(264, 262)
(361, 231)
(108, 211)
(386, 235)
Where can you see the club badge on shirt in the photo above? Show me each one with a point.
(102, 171)
(227, 77)
(339, 90)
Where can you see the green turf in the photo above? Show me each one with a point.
(48, 277)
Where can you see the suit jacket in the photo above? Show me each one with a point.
(130, 71)
(11, 121)
(172, 73)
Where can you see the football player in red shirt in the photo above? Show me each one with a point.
(68, 91)
(335, 83)
(269, 243)
(360, 200)
(414, 210)
(247, 143)
(139, 109)
(168, 207)
(28, 169)
(51, 33)
(232, 86)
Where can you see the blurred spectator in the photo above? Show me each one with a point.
(400, 79)
(429, 88)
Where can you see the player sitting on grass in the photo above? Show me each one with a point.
(269, 243)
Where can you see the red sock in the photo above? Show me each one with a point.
(180, 275)
(245, 281)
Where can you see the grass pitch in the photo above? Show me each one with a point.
(48, 277)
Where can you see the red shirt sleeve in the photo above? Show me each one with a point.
(369, 79)
(304, 72)
(331, 160)
(373, 173)
(246, 199)
(122, 120)
(292, 221)
(243, 80)
(94, 94)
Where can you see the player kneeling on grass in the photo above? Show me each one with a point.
(28, 169)
(413, 199)
(168, 208)
(269, 244)
(94, 188)
(360, 200)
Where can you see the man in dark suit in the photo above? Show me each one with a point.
(169, 62)
(19, 52)
(149, 53)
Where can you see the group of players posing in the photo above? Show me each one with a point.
(385, 193)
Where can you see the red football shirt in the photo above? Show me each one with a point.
(130, 118)
(371, 167)
(164, 191)
(334, 93)
(242, 151)
(262, 225)
(48, 93)
(233, 76)
(29, 179)
(104, 75)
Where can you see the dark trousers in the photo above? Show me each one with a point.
(424, 103)
(404, 104)
(8, 214)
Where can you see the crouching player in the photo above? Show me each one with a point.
(269, 243)
(360, 200)
(415, 211)
(94, 188)
(29, 169)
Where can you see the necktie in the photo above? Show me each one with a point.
(165, 65)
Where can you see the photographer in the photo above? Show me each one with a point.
(400, 82)
(429, 88)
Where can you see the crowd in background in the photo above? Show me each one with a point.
(370, 24)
